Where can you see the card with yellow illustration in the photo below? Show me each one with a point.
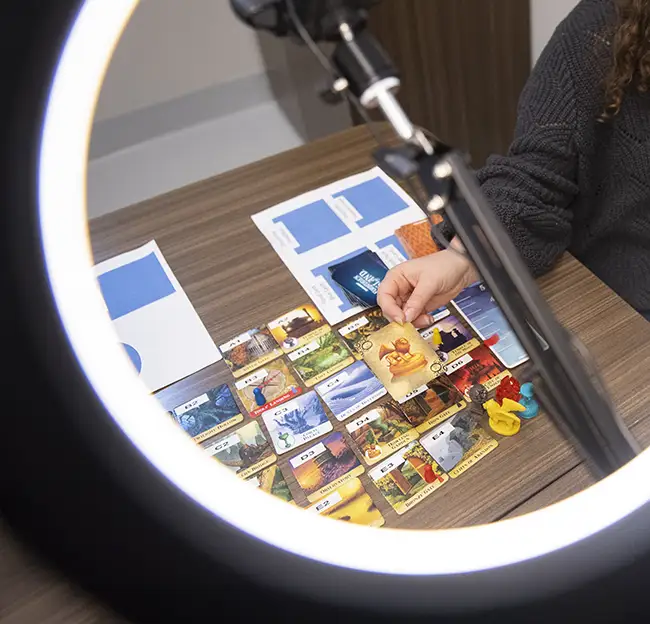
(401, 359)
(357, 331)
(298, 327)
(325, 466)
(350, 503)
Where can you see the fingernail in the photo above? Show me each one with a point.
(410, 314)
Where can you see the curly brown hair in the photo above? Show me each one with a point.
(631, 54)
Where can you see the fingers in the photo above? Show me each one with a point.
(390, 299)
(422, 322)
(419, 302)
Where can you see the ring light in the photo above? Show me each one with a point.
(559, 547)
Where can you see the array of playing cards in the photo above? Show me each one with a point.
(330, 418)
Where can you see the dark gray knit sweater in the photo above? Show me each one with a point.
(570, 181)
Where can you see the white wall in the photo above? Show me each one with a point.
(174, 47)
(192, 92)
(545, 15)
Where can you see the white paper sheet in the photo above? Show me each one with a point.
(325, 226)
(154, 318)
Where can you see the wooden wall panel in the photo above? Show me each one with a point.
(463, 64)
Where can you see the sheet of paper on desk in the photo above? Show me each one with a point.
(153, 317)
(334, 223)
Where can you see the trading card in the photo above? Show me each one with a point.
(477, 305)
(356, 332)
(381, 431)
(298, 327)
(408, 477)
(478, 366)
(267, 387)
(208, 414)
(350, 391)
(271, 480)
(440, 401)
(325, 466)
(299, 421)
(350, 503)
(360, 276)
(450, 338)
(245, 451)
(401, 359)
(458, 443)
(321, 358)
(250, 350)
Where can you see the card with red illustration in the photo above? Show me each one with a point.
(478, 366)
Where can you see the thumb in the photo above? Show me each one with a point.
(417, 302)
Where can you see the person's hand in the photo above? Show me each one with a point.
(413, 288)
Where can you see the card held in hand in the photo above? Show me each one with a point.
(401, 359)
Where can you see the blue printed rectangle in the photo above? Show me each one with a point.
(134, 286)
(313, 225)
(373, 200)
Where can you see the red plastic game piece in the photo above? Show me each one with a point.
(492, 340)
(508, 389)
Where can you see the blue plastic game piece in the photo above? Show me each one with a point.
(260, 399)
(527, 392)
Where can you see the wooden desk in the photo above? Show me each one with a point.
(236, 281)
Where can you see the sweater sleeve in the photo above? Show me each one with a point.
(531, 189)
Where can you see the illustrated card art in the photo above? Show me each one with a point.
(458, 443)
(209, 413)
(351, 390)
(267, 387)
(298, 327)
(356, 332)
(250, 350)
(408, 477)
(402, 360)
(381, 431)
(440, 401)
(245, 452)
(321, 358)
(450, 339)
(271, 480)
(325, 466)
(350, 503)
(478, 366)
(299, 421)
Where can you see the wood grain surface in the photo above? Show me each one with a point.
(236, 281)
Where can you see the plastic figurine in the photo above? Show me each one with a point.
(502, 420)
(260, 399)
(478, 395)
(528, 401)
(508, 388)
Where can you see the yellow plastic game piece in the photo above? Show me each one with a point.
(502, 420)
(436, 338)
